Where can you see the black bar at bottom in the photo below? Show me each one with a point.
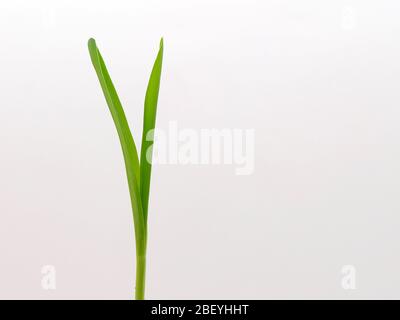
(198, 309)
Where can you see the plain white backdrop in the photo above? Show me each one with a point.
(317, 80)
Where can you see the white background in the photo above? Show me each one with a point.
(317, 80)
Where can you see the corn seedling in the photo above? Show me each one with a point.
(138, 173)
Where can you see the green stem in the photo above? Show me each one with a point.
(140, 276)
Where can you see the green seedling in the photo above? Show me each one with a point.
(138, 173)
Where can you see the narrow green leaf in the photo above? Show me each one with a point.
(127, 143)
(149, 122)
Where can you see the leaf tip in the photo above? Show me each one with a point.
(91, 42)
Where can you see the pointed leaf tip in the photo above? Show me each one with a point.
(91, 42)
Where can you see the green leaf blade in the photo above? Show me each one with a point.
(127, 143)
(149, 122)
